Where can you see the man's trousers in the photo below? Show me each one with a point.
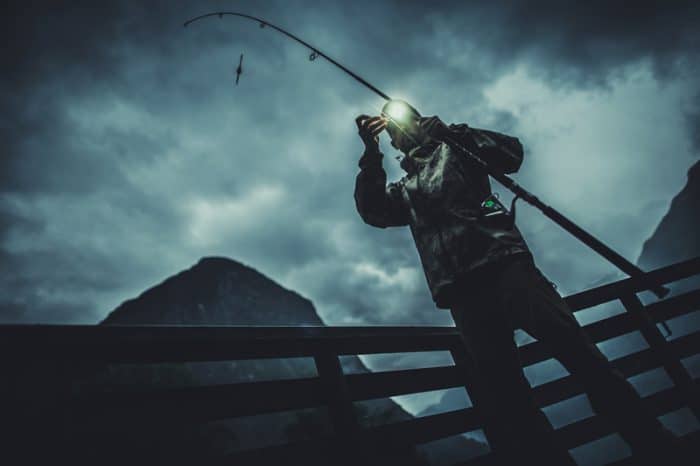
(511, 294)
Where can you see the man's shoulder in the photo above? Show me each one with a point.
(459, 127)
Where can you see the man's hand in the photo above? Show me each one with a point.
(369, 128)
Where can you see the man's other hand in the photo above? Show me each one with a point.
(369, 128)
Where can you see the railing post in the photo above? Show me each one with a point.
(658, 344)
(339, 404)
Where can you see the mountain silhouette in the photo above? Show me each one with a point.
(677, 237)
(217, 291)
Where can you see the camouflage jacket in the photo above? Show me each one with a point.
(440, 199)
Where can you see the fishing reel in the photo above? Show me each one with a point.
(493, 214)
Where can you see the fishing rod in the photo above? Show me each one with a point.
(315, 53)
(557, 217)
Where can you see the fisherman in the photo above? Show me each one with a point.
(478, 266)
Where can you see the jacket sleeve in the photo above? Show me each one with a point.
(378, 204)
(505, 153)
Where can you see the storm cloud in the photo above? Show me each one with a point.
(128, 152)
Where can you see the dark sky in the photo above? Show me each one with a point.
(128, 153)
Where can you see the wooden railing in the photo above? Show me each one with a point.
(85, 345)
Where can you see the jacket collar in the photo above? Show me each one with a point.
(418, 157)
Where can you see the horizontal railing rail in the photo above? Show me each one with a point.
(73, 345)
(154, 344)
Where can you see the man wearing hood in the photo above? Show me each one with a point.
(478, 266)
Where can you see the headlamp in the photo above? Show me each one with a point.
(400, 112)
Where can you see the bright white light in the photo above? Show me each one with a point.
(396, 110)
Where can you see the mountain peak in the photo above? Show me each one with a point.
(217, 291)
(219, 262)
